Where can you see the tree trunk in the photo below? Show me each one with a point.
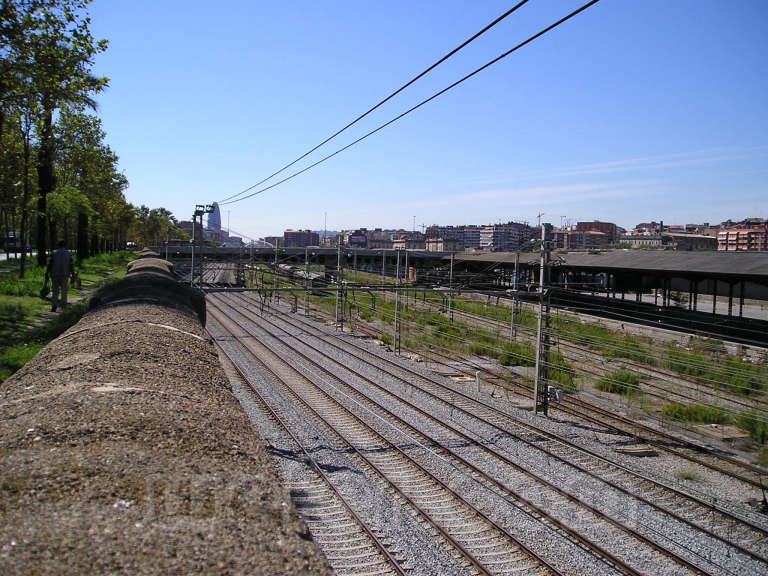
(82, 236)
(46, 179)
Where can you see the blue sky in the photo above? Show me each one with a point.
(632, 111)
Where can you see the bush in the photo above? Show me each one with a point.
(621, 381)
(756, 426)
(695, 413)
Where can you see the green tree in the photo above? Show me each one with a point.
(60, 50)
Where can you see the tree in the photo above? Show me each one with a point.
(61, 51)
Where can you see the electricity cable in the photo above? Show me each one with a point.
(422, 103)
(385, 100)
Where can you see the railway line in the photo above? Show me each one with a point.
(409, 375)
(591, 413)
(667, 537)
(657, 382)
(480, 542)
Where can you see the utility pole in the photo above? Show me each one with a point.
(512, 327)
(339, 319)
(450, 291)
(306, 280)
(540, 392)
(192, 268)
(276, 267)
(397, 307)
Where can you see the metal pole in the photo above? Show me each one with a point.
(338, 280)
(192, 268)
(397, 306)
(306, 281)
(383, 264)
(450, 291)
(539, 380)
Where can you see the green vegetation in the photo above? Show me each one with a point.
(621, 381)
(730, 373)
(19, 339)
(11, 359)
(695, 413)
(687, 475)
(756, 426)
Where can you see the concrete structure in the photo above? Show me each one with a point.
(408, 244)
(301, 238)
(504, 237)
(743, 239)
(442, 245)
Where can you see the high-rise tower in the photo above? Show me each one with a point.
(214, 218)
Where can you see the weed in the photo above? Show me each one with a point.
(755, 425)
(621, 381)
(696, 413)
(687, 475)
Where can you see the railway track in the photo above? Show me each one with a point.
(570, 502)
(348, 543)
(593, 414)
(662, 384)
(485, 546)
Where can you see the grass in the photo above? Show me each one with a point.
(687, 475)
(730, 373)
(13, 358)
(20, 305)
(695, 413)
(621, 381)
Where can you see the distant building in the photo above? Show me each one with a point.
(743, 239)
(406, 243)
(643, 240)
(441, 245)
(581, 239)
(608, 228)
(507, 237)
(680, 241)
(687, 241)
(300, 238)
(186, 226)
(273, 240)
(214, 218)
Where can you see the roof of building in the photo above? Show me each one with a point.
(737, 264)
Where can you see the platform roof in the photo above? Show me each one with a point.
(752, 265)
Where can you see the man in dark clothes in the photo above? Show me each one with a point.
(60, 268)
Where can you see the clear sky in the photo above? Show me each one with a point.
(632, 111)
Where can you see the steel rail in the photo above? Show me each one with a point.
(582, 541)
(484, 518)
(505, 459)
(745, 466)
(677, 493)
(690, 385)
(318, 469)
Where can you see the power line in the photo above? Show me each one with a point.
(387, 99)
(420, 104)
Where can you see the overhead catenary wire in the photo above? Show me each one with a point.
(384, 101)
(420, 104)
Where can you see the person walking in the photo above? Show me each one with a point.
(60, 268)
